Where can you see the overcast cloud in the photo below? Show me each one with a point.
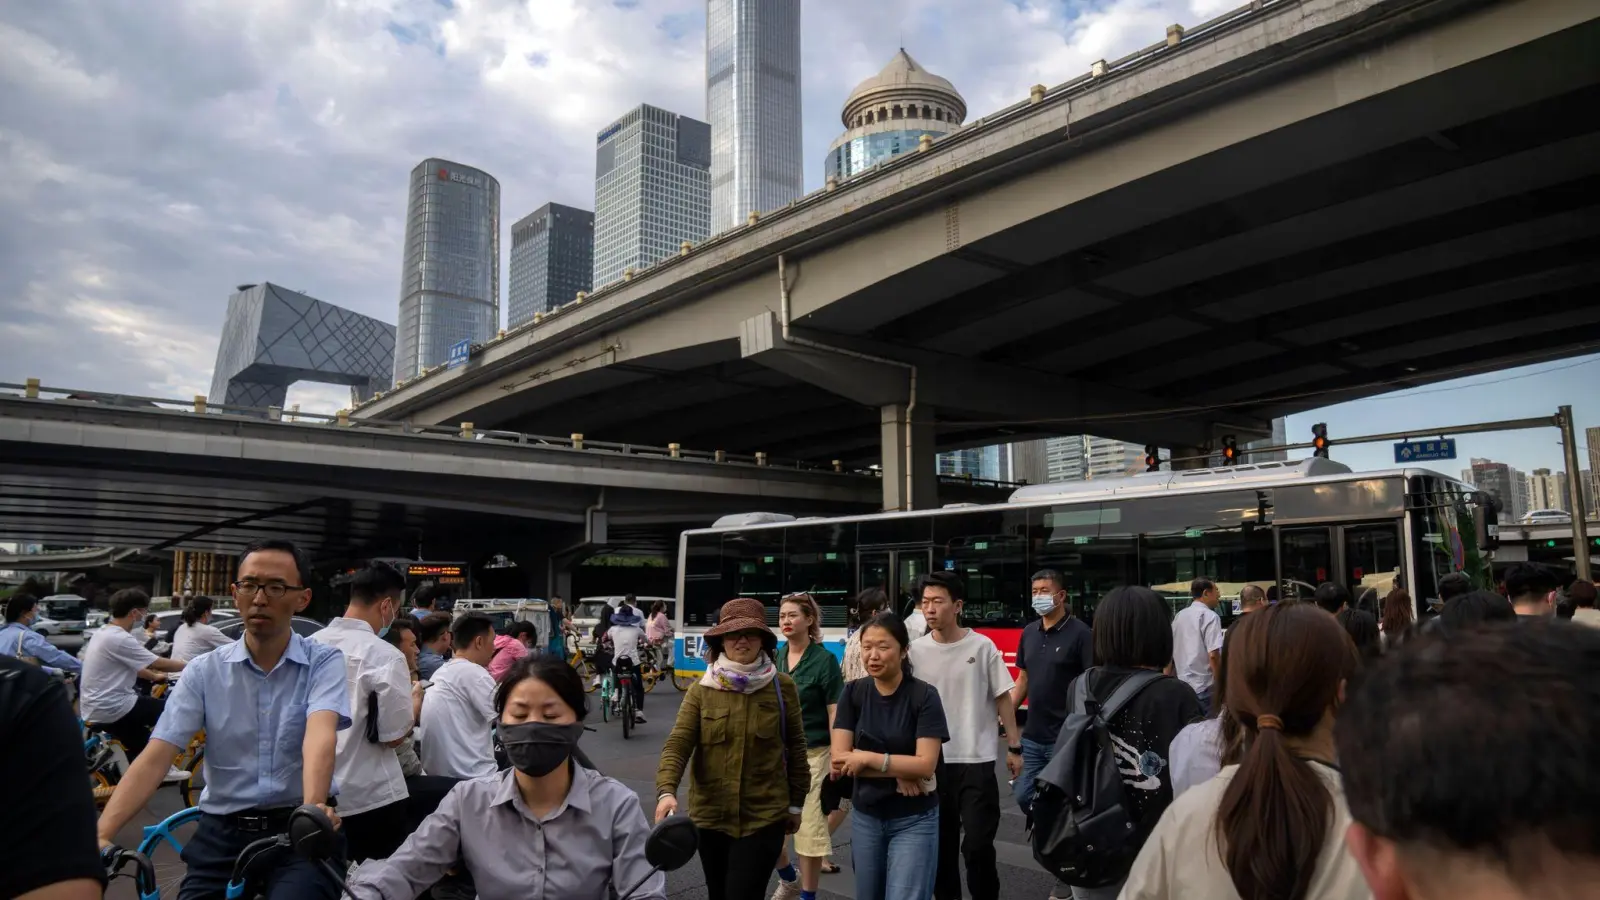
(158, 153)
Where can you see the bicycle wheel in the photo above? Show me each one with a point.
(605, 699)
(190, 790)
(163, 845)
(627, 708)
(585, 670)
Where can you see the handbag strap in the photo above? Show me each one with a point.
(783, 724)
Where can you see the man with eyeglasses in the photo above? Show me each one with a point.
(271, 705)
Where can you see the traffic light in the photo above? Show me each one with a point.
(1152, 458)
(1230, 451)
(1319, 440)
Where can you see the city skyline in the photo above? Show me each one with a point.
(274, 151)
(754, 107)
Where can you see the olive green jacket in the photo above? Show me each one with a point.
(731, 745)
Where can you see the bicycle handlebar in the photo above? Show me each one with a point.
(115, 859)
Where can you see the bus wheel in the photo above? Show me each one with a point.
(683, 680)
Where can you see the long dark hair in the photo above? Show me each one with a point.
(1363, 630)
(1398, 614)
(867, 605)
(197, 607)
(1285, 667)
(896, 627)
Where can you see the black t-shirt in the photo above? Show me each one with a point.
(49, 835)
(890, 725)
(1052, 658)
(1141, 736)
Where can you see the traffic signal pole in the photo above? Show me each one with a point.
(1580, 527)
(1562, 420)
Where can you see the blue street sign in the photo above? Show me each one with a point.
(459, 351)
(1416, 451)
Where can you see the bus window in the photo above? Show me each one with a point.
(1217, 536)
(704, 591)
(989, 550)
(1069, 540)
(752, 562)
(820, 560)
(1445, 538)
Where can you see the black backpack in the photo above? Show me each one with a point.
(1083, 831)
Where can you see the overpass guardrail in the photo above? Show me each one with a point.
(32, 390)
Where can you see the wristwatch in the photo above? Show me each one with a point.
(1014, 751)
(795, 811)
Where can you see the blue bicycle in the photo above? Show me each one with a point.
(309, 834)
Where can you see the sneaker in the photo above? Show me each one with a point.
(787, 890)
(175, 775)
(638, 718)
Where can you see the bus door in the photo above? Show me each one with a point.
(896, 571)
(1353, 554)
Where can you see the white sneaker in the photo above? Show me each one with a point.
(787, 890)
(638, 718)
(175, 775)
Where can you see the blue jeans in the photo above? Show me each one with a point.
(1035, 756)
(895, 859)
(1205, 700)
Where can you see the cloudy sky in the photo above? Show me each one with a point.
(158, 153)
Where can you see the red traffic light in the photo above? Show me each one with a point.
(1152, 458)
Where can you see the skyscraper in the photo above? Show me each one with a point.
(652, 189)
(1505, 483)
(1084, 457)
(1547, 490)
(987, 463)
(552, 259)
(753, 101)
(450, 278)
(888, 114)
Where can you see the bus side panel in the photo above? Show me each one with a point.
(689, 652)
(1006, 641)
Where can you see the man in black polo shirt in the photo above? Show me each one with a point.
(1054, 649)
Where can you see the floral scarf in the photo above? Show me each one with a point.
(739, 678)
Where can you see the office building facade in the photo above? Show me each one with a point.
(977, 463)
(450, 276)
(652, 190)
(1548, 490)
(888, 114)
(1505, 483)
(1084, 457)
(552, 259)
(273, 337)
(753, 102)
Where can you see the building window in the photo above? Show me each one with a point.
(883, 114)
(938, 114)
(899, 113)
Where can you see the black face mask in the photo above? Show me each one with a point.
(538, 748)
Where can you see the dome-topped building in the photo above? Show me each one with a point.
(888, 113)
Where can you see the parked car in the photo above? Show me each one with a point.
(62, 614)
(167, 626)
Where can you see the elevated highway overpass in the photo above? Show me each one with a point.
(90, 473)
(1303, 202)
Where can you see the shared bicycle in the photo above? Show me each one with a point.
(310, 834)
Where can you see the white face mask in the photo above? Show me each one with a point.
(1043, 603)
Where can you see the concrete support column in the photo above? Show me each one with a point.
(1181, 451)
(896, 430)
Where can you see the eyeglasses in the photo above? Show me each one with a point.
(245, 590)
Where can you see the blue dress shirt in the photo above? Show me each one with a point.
(255, 721)
(33, 644)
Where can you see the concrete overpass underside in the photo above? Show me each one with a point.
(1334, 199)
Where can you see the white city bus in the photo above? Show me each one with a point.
(1290, 524)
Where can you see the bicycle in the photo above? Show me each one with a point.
(115, 859)
(608, 696)
(585, 666)
(650, 667)
(625, 687)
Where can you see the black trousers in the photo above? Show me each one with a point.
(969, 801)
(377, 833)
(739, 868)
(133, 730)
(635, 680)
(215, 847)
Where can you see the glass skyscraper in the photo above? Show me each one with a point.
(552, 259)
(450, 279)
(753, 101)
(652, 190)
(887, 115)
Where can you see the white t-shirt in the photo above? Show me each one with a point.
(369, 774)
(457, 712)
(190, 641)
(1195, 755)
(916, 624)
(1196, 632)
(625, 641)
(1180, 861)
(969, 674)
(111, 665)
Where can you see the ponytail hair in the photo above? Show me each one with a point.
(196, 607)
(1284, 671)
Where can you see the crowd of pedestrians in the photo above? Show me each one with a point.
(1278, 759)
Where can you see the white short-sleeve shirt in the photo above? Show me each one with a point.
(368, 774)
(969, 674)
(190, 641)
(1196, 632)
(457, 712)
(111, 664)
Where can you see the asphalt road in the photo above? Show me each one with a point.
(634, 762)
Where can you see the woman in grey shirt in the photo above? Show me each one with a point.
(545, 829)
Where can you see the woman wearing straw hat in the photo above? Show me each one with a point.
(740, 733)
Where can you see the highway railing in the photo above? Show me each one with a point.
(575, 443)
